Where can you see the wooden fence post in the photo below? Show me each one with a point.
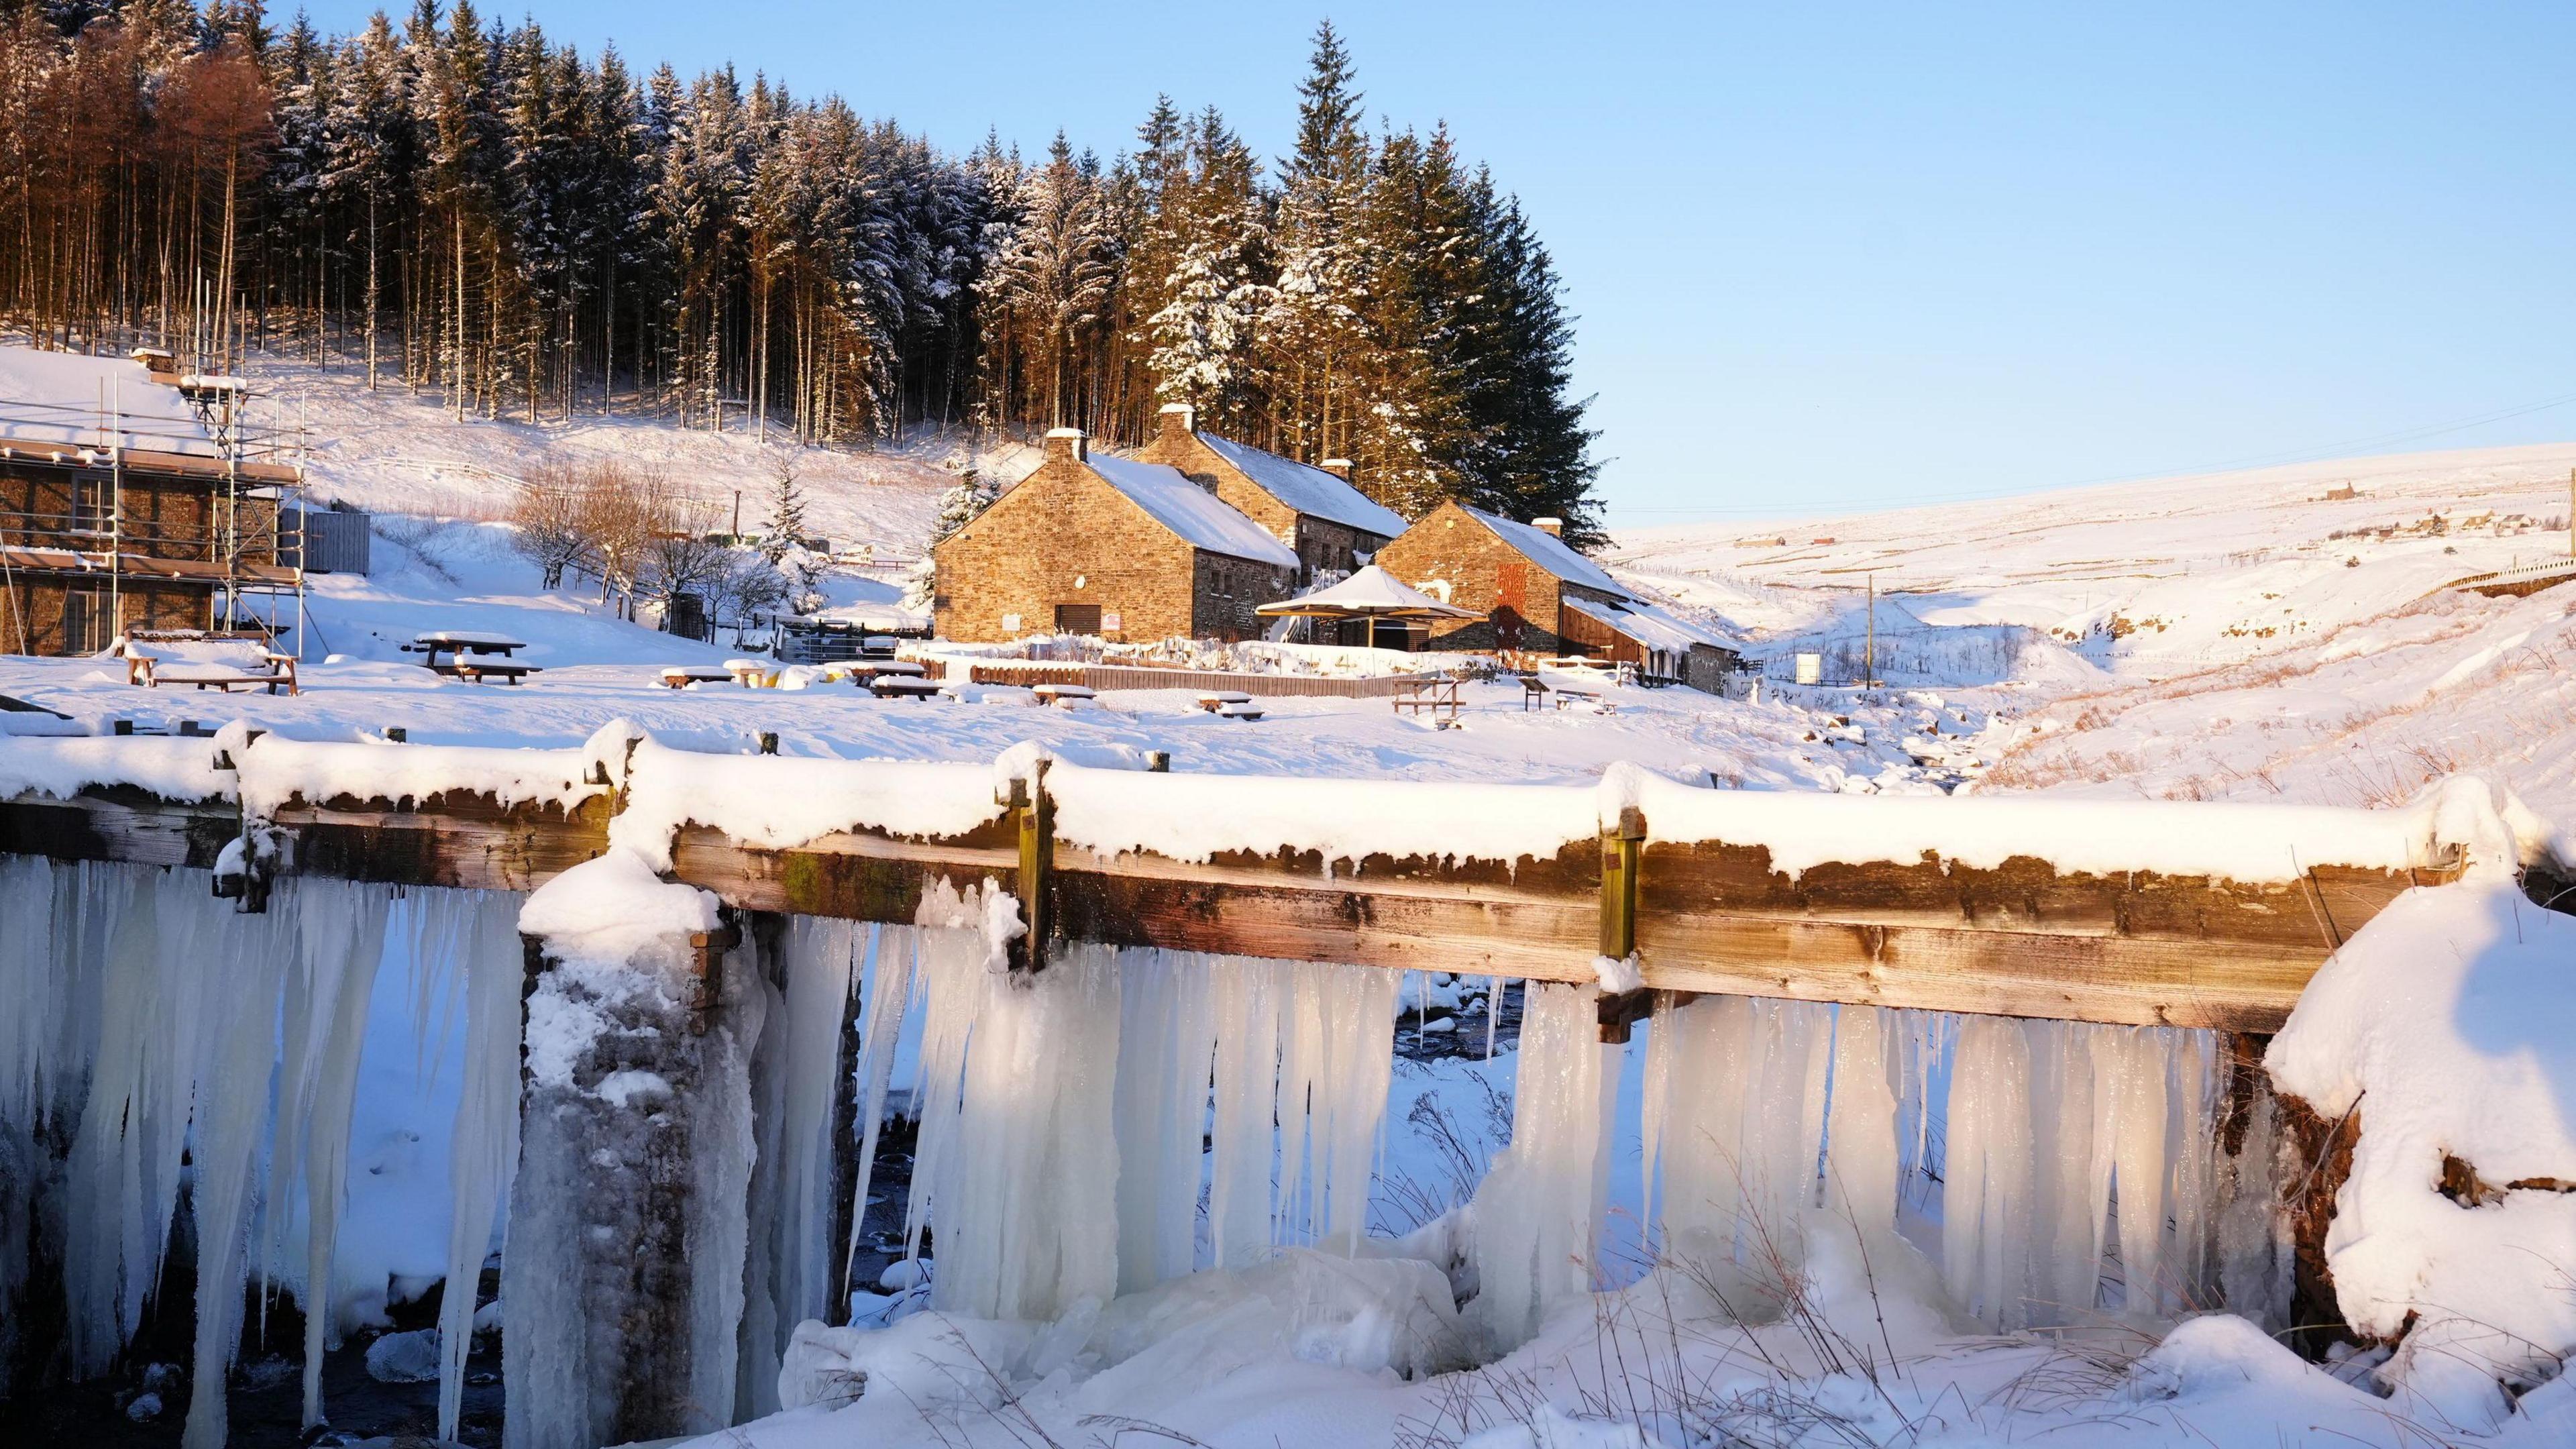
(1034, 815)
(1621, 844)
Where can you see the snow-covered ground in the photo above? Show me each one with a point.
(2240, 637)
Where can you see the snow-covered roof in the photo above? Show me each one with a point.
(1372, 590)
(1648, 624)
(1307, 490)
(1191, 512)
(1549, 552)
(69, 397)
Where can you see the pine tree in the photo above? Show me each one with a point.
(786, 507)
(962, 503)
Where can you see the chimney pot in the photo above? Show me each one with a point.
(1178, 420)
(1338, 467)
(1067, 445)
(1552, 527)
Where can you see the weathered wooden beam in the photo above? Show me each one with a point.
(119, 823)
(1033, 818)
(2020, 939)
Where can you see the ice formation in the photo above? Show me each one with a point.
(1541, 1207)
(622, 1281)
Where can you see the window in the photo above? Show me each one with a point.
(91, 505)
(1077, 618)
(89, 619)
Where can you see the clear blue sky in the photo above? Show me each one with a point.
(1843, 256)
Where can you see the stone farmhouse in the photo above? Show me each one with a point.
(1539, 596)
(126, 502)
(1330, 523)
(1113, 547)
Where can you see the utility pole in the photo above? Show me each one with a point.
(1869, 653)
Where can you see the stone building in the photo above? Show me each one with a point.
(125, 503)
(1535, 595)
(1318, 512)
(1113, 547)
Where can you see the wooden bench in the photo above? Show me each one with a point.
(1242, 710)
(1062, 693)
(681, 676)
(475, 671)
(1567, 697)
(903, 686)
(1214, 701)
(749, 673)
(205, 659)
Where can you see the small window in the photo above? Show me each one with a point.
(91, 507)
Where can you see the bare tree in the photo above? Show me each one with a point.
(679, 553)
(550, 520)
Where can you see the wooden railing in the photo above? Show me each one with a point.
(2023, 938)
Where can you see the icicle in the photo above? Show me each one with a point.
(2069, 1221)
(483, 1152)
(1166, 1040)
(1703, 1151)
(1986, 1201)
(1860, 1139)
(1493, 1012)
(123, 1175)
(1539, 1209)
(244, 956)
(1655, 1104)
(2137, 1140)
(1249, 994)
(1355, 1006)
(340, 929)
(891, 976)
(1026, 1197)
(801, 1091)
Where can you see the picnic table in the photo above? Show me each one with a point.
(749, 673)
(1214, 701)
(888, 668)
(473, 656)
(1434, 692)
(205, 659)
(903, 686)
(1567, 697)
(1062, 693)
(1239, 709)
(681, 676)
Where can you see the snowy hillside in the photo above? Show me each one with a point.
(395, 451)
(2158, 577)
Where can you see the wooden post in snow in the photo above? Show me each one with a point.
(1033, 822)
(1622, 844)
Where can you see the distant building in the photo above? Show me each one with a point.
(1537, 595)
(1113, 547)
(127, 501)
(1316, 511)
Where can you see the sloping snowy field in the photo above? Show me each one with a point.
(2192, 639)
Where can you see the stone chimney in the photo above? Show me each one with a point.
(1067, 445)
(1178, 421)
(1552, 527)
(1338, 467)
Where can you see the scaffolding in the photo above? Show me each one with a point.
(243, 461)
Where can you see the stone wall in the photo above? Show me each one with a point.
(1518, 598)
(1065, 537)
